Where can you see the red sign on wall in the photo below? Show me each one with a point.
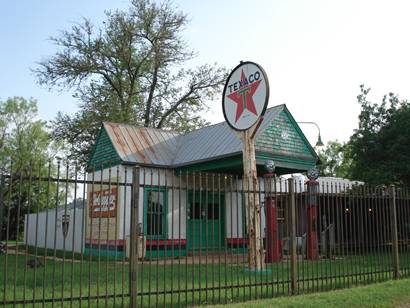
(103, 203)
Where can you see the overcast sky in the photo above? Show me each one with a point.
(316, 53)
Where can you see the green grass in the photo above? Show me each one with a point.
(38, 251)
(225, 282)
(387, 294)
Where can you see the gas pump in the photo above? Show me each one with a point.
(273, 247)
(312, 190)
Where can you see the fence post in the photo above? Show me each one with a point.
(134, 236)
(393, 216)
(1, 205)
(293, 253)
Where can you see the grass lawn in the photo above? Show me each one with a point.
(387, 294)
(171, 284)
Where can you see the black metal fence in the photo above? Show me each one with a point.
(127, 236)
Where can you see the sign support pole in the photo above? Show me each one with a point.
(256, 254)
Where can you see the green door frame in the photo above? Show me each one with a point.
(212, 196)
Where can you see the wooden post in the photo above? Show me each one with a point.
(134, 237)
(395, 239)
(256, 256)
(293, 252)
(1, 203)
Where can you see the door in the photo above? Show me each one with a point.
(205, 221)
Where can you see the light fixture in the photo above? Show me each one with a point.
(270, 166)
(319, 143)
(313, 174)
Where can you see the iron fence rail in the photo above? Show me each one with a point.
(129, 236)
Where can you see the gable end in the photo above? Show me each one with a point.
(103, 154)
(284, 137)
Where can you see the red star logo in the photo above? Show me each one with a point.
(244, 97)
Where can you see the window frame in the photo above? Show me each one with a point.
(164, 215)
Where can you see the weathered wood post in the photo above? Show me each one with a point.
(395, 239)
(293, 251)
(134, 236)
(252, 204)
(244, 101)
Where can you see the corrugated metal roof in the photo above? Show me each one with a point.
(216, 141)
(143, 145)
(208, 142)
(168, 148)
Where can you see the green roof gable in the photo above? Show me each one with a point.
(284, 137)
(104, 153)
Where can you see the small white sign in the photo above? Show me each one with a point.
(245, 96)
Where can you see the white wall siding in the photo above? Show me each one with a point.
(234, 215)
(176, 217)
(36, 224)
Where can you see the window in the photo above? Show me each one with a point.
(195, 210)
(155, 214)
(202, 211)
(213, 211)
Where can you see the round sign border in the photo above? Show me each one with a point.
(266, 98)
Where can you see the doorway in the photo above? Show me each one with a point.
(205, 221)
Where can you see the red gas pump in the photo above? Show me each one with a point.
(312, 190)
(272, 232)
(273, 249)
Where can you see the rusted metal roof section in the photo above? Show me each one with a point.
(143, 145)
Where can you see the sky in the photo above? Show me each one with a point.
(316, 53)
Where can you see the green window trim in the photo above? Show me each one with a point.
(164, 214)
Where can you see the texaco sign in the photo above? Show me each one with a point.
(245, 96)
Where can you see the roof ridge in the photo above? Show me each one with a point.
(224, 122)
(203, 127)
(138, 126)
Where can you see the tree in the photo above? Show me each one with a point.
(335, 160)
(380, 146)
(129, 70)
(24, 154)
(23, 139)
